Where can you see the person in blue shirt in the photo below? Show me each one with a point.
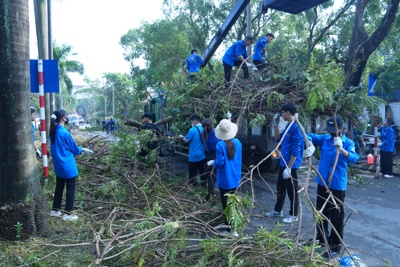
(211, 142)
(236, 55)
(197, 155)
(260, 51)
(193, 64)
(63, 150)
(331, 143)
(228, 161)
(386, 147)
(292, 148)
(33, 119)
(111, 124)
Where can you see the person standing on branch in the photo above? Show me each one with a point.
(260, 51)
(292, 154)
(193, 65)
(386, 148)
(63, 150)
(228, 161)
(331, 143)
(236, 55)
(197, 156)
(147, 124)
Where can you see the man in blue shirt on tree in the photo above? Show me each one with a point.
(236, 55)
(260, 51)
(292, 148)
(193, 64)
(331, 144)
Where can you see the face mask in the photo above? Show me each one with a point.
(66, 122)
(334, 134)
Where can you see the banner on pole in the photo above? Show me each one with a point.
(50, 73)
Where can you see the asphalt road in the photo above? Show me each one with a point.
(372, 214)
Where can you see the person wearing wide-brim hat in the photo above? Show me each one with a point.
(228, 161)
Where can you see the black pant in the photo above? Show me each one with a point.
(291, 186)
(197, 167)
(228, 70)
(259, 64)
(210, 173)
(70, 194)
(386, 162)
(224, 199)
(335, 216)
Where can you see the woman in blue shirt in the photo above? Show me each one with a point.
(63, 150)
(386, 148)
(228, 161)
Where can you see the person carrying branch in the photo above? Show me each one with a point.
(292, 154)
(331, 143)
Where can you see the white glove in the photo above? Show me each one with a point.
(277, 119)
(380, 144)
(180, 136)
(248, 64)
(228, 115)
(87, 150)
(287, 173)
(309, 151)
(338, 142)
(38, 152)
(210, 163)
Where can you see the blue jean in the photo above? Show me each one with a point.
(70, 194)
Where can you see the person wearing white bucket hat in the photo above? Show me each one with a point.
(228, 161)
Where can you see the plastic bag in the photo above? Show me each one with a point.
(353, 261)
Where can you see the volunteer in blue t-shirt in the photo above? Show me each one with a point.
(193, 64)
(260, 51)
(236, 55)
(197, 156)
(228, 161)
(386, 148)
(63, 151)
(292, 148)
(331, 143)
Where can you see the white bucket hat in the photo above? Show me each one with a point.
(226, 130)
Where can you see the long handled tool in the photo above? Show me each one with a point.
(378, 165)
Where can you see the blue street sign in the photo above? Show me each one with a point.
(50, 76)
(371, 84)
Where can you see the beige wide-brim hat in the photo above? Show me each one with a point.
(226, 130)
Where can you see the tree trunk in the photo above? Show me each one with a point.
(21, 199)
(361, 45)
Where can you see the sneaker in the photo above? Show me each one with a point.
(290, 219)
(388, 176)
(234, 233)
(71, 217)
(274, 213)
(55, 213)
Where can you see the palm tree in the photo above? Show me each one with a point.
(20, 188)
(65, 66)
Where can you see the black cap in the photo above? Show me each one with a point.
(147, 115)
(193, 50)
(33, 110)
(250, 38)
(195, 116)
(330, 124)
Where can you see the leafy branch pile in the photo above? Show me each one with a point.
(140, 219)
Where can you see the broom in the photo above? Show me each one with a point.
(378, 165)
